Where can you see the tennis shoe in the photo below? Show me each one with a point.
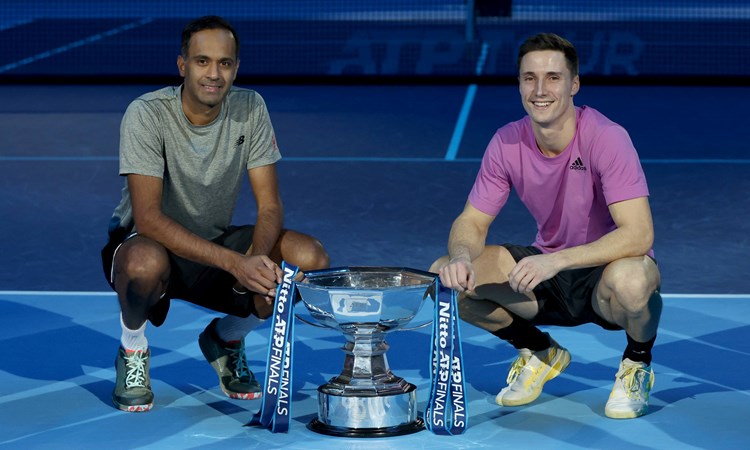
(230, 363)
(528, 373)
(132, 391)
(630, 394)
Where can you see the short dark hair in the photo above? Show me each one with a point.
(550, 41)
(207, 23)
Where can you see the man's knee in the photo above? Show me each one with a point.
(302, 250)
(311, 255)
(632, 282)
(493, 265)
(141, 267)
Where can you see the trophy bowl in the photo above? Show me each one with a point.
(364, 303)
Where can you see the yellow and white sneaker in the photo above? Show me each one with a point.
(528, 373)
(629, 396)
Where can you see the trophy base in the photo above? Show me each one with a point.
(350, 415)
(399, 430)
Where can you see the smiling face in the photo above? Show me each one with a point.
(209, 69)
(547, 88)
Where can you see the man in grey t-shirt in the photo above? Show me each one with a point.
(184, 152)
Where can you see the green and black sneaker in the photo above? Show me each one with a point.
(133, 385)
(230, 363)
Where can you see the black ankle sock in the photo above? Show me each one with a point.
(522, 334)
(638, 351)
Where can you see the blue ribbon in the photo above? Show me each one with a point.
(277, 392)
(446, 408)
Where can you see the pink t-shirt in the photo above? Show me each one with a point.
(567, 194)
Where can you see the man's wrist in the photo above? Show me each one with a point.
(230, 260)
(560, 261)
(456, 258)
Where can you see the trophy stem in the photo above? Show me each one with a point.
(366, 370)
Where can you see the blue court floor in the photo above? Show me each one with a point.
(378, 173)
(56, 380)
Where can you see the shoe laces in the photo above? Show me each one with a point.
(239, 361)
(632, 378)
(135, 363)
(516, 367)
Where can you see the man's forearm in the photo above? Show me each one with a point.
(465, 241)
(267, 230)
(185, 244)
(617, 244)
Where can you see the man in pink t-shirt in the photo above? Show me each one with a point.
(592, 261)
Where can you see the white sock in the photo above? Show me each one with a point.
(133, 339)
(233, 328)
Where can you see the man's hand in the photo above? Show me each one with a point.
(458, 274)
(530, 271)
(259, 274)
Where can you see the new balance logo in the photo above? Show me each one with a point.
(240, 141)
(577, 165)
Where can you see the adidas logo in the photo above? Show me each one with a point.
(577, 164)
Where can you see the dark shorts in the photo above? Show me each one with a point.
(565, 299)
(205, 286)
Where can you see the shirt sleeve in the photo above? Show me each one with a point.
(618, 166)
(492, 185)
(141, 145)
(263, 147)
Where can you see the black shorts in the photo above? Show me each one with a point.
(205, 286)
(565, 299)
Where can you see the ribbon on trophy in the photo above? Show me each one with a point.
(276, 406)
(446, 408)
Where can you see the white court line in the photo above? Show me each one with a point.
(72, 45)
(463, 116)
(60, 293)
(10, 25)
(684, 337)
(729, 296)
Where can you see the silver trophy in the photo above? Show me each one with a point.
(365, 303)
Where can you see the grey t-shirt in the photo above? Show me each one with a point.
(202, 166)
